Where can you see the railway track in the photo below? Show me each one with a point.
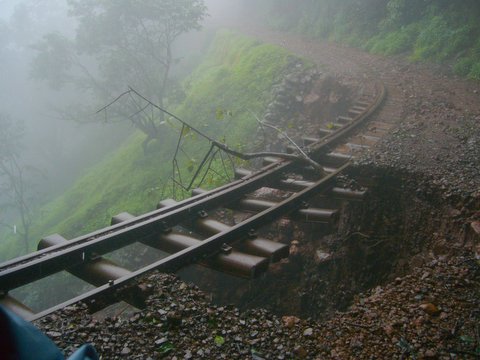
(236, 249)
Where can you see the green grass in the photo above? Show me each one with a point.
(234, 80)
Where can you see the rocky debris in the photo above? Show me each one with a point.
(437, 134)
(302, 103)
(288, 96)
(432, 313)
(329, 98)
(417, 316)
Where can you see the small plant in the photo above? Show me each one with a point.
(219, 340)
(166, 348)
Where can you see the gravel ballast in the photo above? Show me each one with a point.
(432, 313)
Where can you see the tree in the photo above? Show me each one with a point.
(119, 43)
(14, 190)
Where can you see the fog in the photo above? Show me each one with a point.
(62, 149)
(52, 144)
(60, 137)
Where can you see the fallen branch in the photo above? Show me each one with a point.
(302, 153)
(281, 132)
(357, 233)
(250, 156)
(244, 156)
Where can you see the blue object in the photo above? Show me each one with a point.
(86, 352)
(20, 340)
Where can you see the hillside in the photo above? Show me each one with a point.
(232, 82)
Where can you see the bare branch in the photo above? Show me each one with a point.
(283, 133)
(250, 156)
(113, 101)
(244, 156)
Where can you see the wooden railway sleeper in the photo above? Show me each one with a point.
(357, 147)
(299, 185)
(228, 261)
(336, 125)
(362, 103)
(99, 271)
(269, 160)
(358, 108)
(334, 159)
(355, 112)
(310, 140)
(257, 205)
(324, 132)
(255, 246)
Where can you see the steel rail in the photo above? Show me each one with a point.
(59, 257)
(207, 247)
(37, 265)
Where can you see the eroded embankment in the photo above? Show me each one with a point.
(401, 224)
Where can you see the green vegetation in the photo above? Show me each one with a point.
(234, 79)
(432, 30)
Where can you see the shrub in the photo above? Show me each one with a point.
(463, 66)
(432, 38)
(458, 40)
(469, 65)
(475, 71)
(438, 40)
(394, 42)
(341, 28)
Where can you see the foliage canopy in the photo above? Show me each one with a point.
(119, 43)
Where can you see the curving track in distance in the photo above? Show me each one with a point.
(236, 250)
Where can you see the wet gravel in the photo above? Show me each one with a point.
(437, 141)
(433, 313)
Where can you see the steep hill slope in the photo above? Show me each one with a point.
(233, 81)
